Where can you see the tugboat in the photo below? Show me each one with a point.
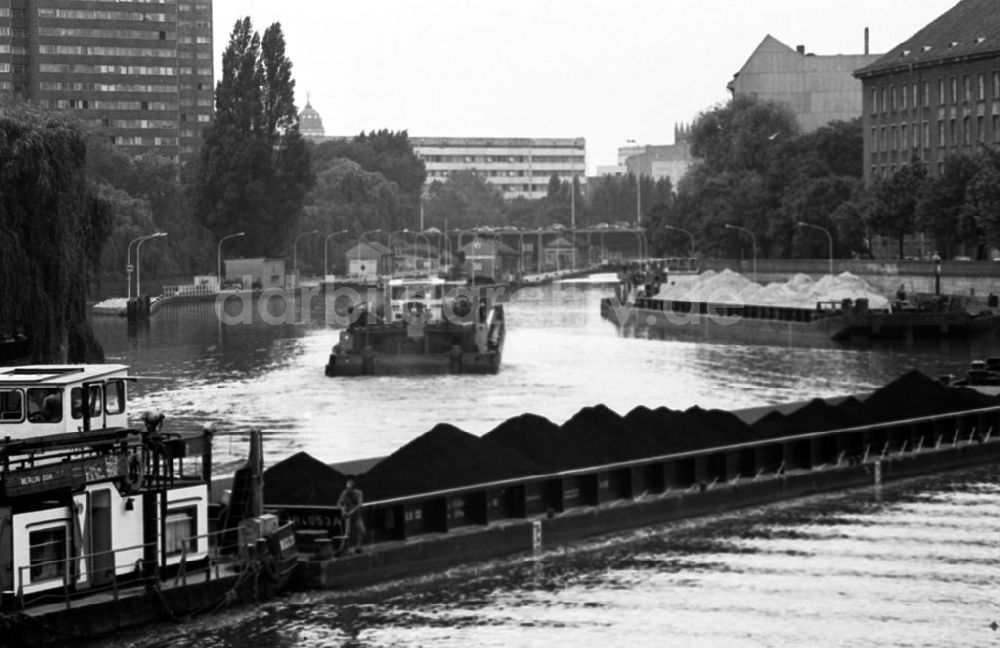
(104, 526)
(428, 326)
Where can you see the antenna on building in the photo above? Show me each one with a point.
(866, 41)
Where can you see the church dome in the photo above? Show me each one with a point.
(310, 123)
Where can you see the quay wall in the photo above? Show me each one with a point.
(977, 278)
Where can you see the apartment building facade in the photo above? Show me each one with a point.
(936, 94)
(519, 167)
(138, 71)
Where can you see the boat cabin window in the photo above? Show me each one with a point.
(114, 397)
(95, 401)
(45, 405)
(47, 553)
(11, 406)
(181, 530)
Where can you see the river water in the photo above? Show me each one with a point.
(916, 564)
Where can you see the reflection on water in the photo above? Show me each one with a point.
(915, 566)
(559, 357)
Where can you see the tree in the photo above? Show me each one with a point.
(465, 200)
(895, 206)
(254, 167)
(940, 211)
(52, 227)
(982, 203)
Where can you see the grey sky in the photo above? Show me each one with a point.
(601, 69)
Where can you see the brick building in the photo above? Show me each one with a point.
(141, 71)
(936, 94)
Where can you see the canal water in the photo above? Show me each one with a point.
(910, 565)
(916, 564)
(560, 356)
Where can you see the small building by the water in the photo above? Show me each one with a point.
(559, 253)
(367, 260)
(491, 258)
(263, 273)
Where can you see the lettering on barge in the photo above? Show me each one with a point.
(62, 475)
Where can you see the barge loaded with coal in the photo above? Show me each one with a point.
(450, 497)
(736, 316)
(425, 326)
(104, 526)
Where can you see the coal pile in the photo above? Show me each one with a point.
(815, 416)
(914, 394)
(534, 437)
(445, 457)
(717, 427)
(599, 435)
(303, 479)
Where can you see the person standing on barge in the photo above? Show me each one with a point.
(350, 502)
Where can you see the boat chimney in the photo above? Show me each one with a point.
(801, 49)
(866, 41)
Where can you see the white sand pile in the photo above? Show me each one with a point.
(728, 287)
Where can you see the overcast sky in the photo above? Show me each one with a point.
(606, 70)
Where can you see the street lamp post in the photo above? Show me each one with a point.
(829, 238)
(753, 241)
(690, 235)
(937, 274)
(138, 276)
(128, 262)
(218, 256)
(326, 251)
(295, 253)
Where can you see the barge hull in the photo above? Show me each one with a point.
(471, 544)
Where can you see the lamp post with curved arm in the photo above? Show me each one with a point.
(218, 255)
(361, 239)
(753, 241)
(128, 261)
(295, 253)
(138, 276)
(690, 235)
(326, 251)
(828, 236)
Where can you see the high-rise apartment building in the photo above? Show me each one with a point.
(138, 70)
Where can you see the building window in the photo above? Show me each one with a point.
(952, 132)
(885, 100)
(874, 140)
(181, 531)
(966, 88)
(915, 135)
(954, 89)
(966, 131)
(893, 139)
(905, 144)
(927, 93)
(892, 98)
(981, 87)
(916, 97)
(881, 140)
(941, 141)
(874, 103)
(942, 98)
(996, 128)
(996, 85)
(47, 554)
(927, 135)
(904, 97)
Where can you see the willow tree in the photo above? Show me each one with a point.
(52, 227)
(253, 170)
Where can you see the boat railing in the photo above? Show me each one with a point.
(204, 566)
